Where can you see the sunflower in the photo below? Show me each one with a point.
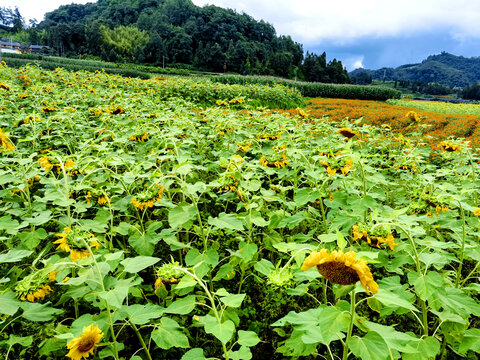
(114, 110)
(147, 199)
(274, 163)
(342, 268)
(347, 132)
(387, 127)
(413, 116)
(45, 163)
(5, 143)
(72, 241)
(476, 212)
(359, 232)
(83, 346)
(450, 147)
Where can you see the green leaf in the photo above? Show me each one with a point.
(142, 314)
(427, 348)
(243, 353)
(264, 267)
(116, 296)
(9, 225)
(321, 325)
(194, 354)
(458, 302)
(226, 221)
(233, 300)
(143, 244)
(257, 219)
(14, 256)
(222, 331)
(247, 338)
(394, 339)
(369, 347)
(294, 346)
(9, 303)
(341, 242)
(305, 195)
(470, 341)
(40, 218)
(292, 221)
(24, 341)
(138, 263)
(31, 239)
(226, 271)
(38, 312)
(182, 306)
(8, 178)
(427, 286)
(392, 299)
(169, 334)
(181, 214)
(246, 251)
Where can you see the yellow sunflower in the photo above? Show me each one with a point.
(476, 212)
(413, 116)
(83, 346)
(5, 143)
(342, 268)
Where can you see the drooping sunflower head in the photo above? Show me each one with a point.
(84, 346)
(449, 146)
(347, 132)
(342, 268)
(73, 241)
(34, 286)
(413, 116)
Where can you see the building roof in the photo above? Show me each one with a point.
(9, 43)
(37, 47)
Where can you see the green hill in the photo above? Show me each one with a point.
(445, 69)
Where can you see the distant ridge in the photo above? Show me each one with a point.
(444, 68)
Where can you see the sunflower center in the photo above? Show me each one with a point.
(338, 273)
(86, 344)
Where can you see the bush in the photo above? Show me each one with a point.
(316, 89)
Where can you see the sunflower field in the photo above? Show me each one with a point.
(181, 219)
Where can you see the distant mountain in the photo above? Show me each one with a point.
(445, 68)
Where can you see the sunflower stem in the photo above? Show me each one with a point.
(110, 321)
(218, 316)
(462, 253)
(142, 342)
(350, 326)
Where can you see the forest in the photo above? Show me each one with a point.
(173, 33)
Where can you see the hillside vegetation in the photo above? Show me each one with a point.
(445, 69)
(175, 33)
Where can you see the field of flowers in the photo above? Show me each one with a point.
(440, 107)
(435, 120)
(173, 219)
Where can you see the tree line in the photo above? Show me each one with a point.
(175, 33)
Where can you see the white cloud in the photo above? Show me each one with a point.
(357, 64)
(343, 21)
(36, 9)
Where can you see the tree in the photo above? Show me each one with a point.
(127, 41)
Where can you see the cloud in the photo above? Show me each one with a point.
(357, 64)
(36, 9)
(343, 21)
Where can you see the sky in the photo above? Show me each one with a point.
(367, 33)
